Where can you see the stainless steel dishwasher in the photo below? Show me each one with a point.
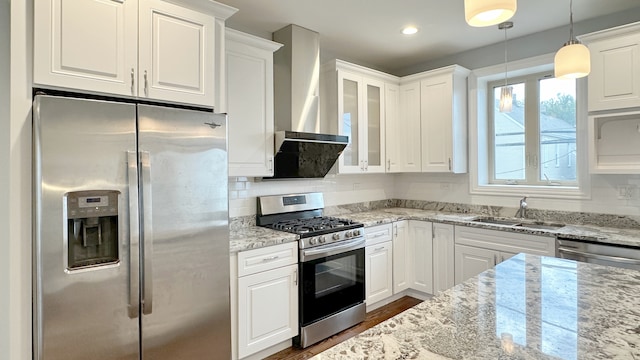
(598, 253)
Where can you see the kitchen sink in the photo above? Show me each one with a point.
(519, 223)
(492, 220)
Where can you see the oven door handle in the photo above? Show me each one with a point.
(599, 257)
(331, 249)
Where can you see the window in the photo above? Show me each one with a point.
(535, 143)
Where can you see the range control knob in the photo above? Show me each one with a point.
(336, 236)
(356, 232)
(348, 234)
(322, 239)
(312, 241)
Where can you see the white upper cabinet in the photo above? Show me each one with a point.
(403, 128)
(354, 105)
(250, 104)
(86, 45)
(614, 81)
(443, 118)
(148, 48)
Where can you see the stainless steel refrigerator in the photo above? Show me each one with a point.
(131, 251)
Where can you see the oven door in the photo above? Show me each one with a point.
(332, 278)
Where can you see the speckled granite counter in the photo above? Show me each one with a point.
(630, 237)
(527, 307)
(245, 235)
(253, 237)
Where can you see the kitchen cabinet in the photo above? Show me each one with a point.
(402, 266)
(479, 249)
(403, 128)
(614, 81)
(614, 143)
(148, 48)
(249, 61)
(442, 110)
(421, 240)
(378, 263)
(443, 257)
(267, 297)
(355, 96)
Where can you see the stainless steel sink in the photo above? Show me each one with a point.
(491, 220)
(519, 223)
(542, 226)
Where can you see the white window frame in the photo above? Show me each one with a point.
(479, 156)
(531, 131)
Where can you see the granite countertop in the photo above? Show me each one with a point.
(248, 236)
(528, 307)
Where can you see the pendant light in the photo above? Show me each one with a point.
(480, 13)
(506, 93)
(572, 61)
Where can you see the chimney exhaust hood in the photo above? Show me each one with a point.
(301, 150)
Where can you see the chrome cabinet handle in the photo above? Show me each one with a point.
(295, 277)
(147, 234)
(378, 249)
(133, 82)
(270, 258)
(389, 164)
(146, 84)
(449, 164)
(495, 260)
(134, 236)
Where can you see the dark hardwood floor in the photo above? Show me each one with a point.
(373, 318)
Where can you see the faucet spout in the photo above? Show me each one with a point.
(522, 210)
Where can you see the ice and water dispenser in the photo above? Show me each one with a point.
(92, 228)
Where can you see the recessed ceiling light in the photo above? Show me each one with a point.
(410, 30)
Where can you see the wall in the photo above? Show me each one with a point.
(4, 179)
(16, 246)
(527, 46)
(337, 190)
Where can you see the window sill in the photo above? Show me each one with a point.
(550, 192)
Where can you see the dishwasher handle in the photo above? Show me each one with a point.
(617, 259)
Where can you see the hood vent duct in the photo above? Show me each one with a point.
(301, 150)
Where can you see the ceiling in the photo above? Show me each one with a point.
(369, 31)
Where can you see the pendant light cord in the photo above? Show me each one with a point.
(570, 20)
(505, 56)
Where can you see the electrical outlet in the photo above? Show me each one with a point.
(625, 192)
(445, 186)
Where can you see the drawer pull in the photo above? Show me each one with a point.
(378, 249)
(270, 258)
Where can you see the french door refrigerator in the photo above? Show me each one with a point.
(131, 251)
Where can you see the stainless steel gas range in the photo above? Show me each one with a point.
(331, 268)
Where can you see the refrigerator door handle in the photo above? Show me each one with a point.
(147, 234)
(134, 236)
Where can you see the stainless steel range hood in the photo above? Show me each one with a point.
(301, 150)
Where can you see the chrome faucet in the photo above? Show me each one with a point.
(522, 211)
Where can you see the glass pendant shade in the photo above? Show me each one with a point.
(572, 61)
(506, 99)
(480, 13)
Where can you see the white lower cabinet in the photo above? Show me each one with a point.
(267, 298)
(421, 245)
(402, 267)
(443, 257)
(477, 250)
(378, 263)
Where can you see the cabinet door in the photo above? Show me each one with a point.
(350, 109)
(614, 82)
(176, 53)
(443, 257)
(471, 261)
(392, 127)
(422, 255)
(402, 266)
(409, 124)
(267, 309)
(379, 272)
(436, 119)
(250, 107)
(86, 45)
(374, 131)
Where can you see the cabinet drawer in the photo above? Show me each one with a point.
(267, 258)
(378, 234)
